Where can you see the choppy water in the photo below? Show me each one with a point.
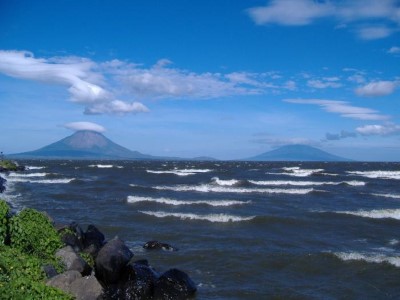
(245, 230)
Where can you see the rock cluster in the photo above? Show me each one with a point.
(114, 273)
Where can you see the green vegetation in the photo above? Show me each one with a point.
(32, 232)
(31, 244)
(8, 165)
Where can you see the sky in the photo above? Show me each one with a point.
(227, 79)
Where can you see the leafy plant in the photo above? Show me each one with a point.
(8, 165)
(32, 232)
(4, 215)
(21, 277)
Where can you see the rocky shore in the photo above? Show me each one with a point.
(92, 268)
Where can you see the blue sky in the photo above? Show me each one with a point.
(228, 79)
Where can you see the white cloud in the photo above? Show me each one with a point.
(376, 89)
(382, 130)
(394, 50)
(385, 15)
(329, 82)
(374, 32)
(290, 12)
(84, 84)
(76, 126)
(342, 108)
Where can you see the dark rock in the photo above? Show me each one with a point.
(2, 184)
(86, 288)
(156, 245)
(50, 271)
(140, 282)
(111, 261)
(174, 284)
(64, 280)
(73, 261)
(93, 240)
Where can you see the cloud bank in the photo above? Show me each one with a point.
(77, 74)
(342, 108)
(369, 19)
(377, 89)
(76, 126)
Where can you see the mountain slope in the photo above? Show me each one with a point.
(297, 153)
(84, 145)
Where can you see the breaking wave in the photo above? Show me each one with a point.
(28, 175)
(206, 188)
(394, 196)
(220, 218)
(179, 172)
(369, 257)
(101, 166)
(34, 168)
(377, 174)
(305, 183)
(375, 213)
(137, 199)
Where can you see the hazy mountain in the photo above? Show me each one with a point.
(297, 153)
(84, 145)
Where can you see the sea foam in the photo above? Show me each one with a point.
(369, 257)
(305, 183)
(137, 199)
(206, 188)
(375, 213)
(221, 218)
(377, 174)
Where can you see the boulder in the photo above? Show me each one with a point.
(49, 270)
(111, 261)
(174, 284)
(64, 280)
(93, 240)
(2, 184)
(73, 261)
(156, 245)
(140, 282)
(72, 235)
(86, 288)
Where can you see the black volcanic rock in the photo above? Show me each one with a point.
(297, 153)
(84, 144)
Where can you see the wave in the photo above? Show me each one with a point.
(45, 181)
(305, 183)
(220, 218)
(298, 172)
(229, 182)
(137, 199)
(394, 196)
(377, 174)
(34, 168)
(369, 257)
(205, 188)
(179, 172)
(101, 166)
(375, 213)
(28, 175)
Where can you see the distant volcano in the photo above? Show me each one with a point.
(297, 153)
(84, 144)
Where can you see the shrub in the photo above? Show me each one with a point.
(4, 215)
(32, 232)
(21, 277)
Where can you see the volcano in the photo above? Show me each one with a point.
(84, 144)
(297, 153)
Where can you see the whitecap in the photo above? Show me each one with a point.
(101, 166)
(369, 257)
(205, 188)
(377, 174)
(375, 213)
(298, 172)
(168, 201)
(221, 218)
(45, 181)
(28, 175)
(170, 172)
(34, 167)
(304, 183)
(394, 196)
(229, 182)
(180, 172)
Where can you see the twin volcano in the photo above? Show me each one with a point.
(87, 144)
(84, 144)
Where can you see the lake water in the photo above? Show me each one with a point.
(245, 230)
